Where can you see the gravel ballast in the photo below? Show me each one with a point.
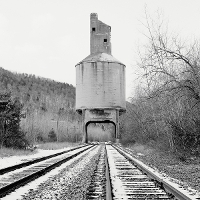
(71, 183)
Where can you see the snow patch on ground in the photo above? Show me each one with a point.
(140, 154)
(13, 160)
(23, 191)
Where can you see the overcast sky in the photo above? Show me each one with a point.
(49, 37)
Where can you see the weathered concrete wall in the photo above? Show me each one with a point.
(100, 115)
(100, 85)
(99, 35)
(97, 116)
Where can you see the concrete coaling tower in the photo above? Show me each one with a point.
(100, 81)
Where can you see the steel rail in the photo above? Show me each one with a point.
(108, 180)
(168, 186)
(36, 160)
(32, 176)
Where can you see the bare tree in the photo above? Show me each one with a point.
(171, 80)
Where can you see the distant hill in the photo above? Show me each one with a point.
(46, 102)
(28, 87)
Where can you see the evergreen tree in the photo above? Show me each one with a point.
(11, 133)
(52, 135)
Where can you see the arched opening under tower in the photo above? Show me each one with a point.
(100, 131)
(100, 116)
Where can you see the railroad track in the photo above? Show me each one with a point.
(173, 190)
(114, 174)
(18, 175)
(129, 182)
(35, 160)
(130, 179)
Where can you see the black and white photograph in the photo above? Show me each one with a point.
(99, 99)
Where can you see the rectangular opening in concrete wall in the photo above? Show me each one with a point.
(101, 132)
(105, 40)
(93, 29)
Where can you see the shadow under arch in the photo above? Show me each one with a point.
(103, 121)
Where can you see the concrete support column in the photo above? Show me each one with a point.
(85, 137)
(117, 127)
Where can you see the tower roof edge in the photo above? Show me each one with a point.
(100, 57)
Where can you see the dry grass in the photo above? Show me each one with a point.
(56, 145)
(7, 152)
(188, 172)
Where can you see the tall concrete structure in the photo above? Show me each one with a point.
(100, 81)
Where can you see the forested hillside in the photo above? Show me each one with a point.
(47, 105)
